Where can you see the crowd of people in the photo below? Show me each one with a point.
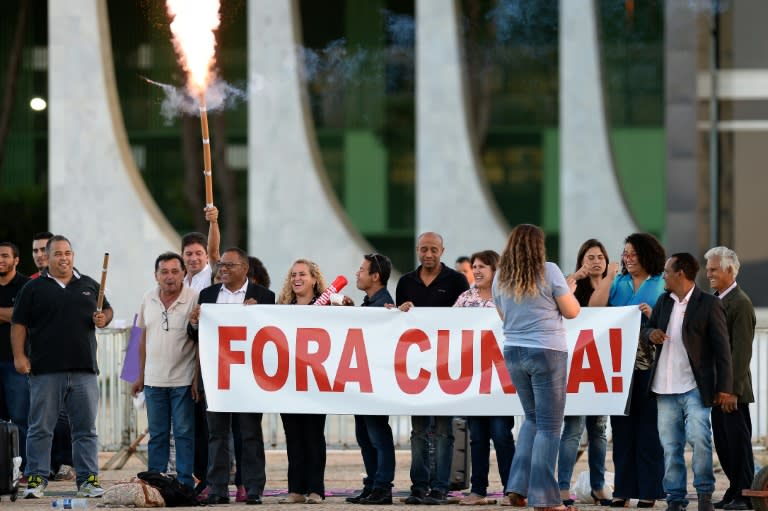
(690, 383)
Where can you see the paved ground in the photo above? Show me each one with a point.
(343, 478)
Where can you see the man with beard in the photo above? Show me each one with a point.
(14, 387)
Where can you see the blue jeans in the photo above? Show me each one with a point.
(166, 405)
(15, 389)
(78, 394)
(573, 428)
(539, 375)
(683, 417)
(374, 436)
(481, 431)
(441, 431)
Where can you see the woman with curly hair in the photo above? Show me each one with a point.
(304, 433)
(638, 457)
(532, 297)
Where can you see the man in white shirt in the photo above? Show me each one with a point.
(691, 373)
(198, 252)
(732, 432)
(234, 289)
(167, 362)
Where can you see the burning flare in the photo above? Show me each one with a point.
(193, 23)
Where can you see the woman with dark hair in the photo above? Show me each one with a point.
(484, 429)
(257, 273)
(532, 297)
(637, 453)
(591, 269)
(304, 432)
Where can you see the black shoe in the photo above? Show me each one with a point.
(417, 496)
(435, 498)
(212, 500)
(720, 504)
(357, 498)
(738, 505)
(378, 497)
(253, 500)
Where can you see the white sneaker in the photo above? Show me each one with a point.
(91, 488)
(35, 487)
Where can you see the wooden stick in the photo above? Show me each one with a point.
(206, 152)
(100, 301)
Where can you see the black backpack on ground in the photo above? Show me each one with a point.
(174, 493)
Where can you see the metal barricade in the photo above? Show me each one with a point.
(117, 423)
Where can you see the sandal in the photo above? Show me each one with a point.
(293, 498)
(514, 499)
(473, 499)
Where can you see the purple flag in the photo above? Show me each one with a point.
(131, 362)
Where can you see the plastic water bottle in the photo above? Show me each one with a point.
(69, 503)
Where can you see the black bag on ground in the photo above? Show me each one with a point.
(9, 449)
(460, 464)
(174, 493)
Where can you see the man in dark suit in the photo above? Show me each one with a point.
(733, 431)
(235, 288)
(691, 372)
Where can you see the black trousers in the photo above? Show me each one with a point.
(201, 443)
(732, 433)
(305, 443)
(638, 457)
(219, 455)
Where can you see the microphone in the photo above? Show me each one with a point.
(336, 286)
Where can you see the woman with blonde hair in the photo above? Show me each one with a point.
(532, 297)
(304, 433)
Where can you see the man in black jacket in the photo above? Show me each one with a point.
(235, 288)
(691, 372)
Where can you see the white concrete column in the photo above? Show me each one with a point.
(452, 198)
(591, 200)
(292, 209)
(97, 198)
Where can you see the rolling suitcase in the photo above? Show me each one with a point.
(460, 465)
(10, 461)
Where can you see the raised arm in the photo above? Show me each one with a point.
(600, 296)
(214, 235)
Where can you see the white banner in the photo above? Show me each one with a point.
(428, 361)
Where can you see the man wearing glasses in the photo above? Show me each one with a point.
(235, 288)
(167, 367)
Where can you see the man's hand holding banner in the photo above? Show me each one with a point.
(374, 361)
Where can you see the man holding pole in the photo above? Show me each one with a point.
(57, 313)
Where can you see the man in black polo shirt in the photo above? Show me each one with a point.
(432, 284)
(57, 314)
(14, 387)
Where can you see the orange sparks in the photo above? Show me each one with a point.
(192, 24)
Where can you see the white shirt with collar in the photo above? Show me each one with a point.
(75, 275)
(673, 369)
(199, 280)
(170, 353)
(227, 296)
(727, 290)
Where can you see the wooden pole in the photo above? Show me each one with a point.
(100, 301)
(206, 152)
